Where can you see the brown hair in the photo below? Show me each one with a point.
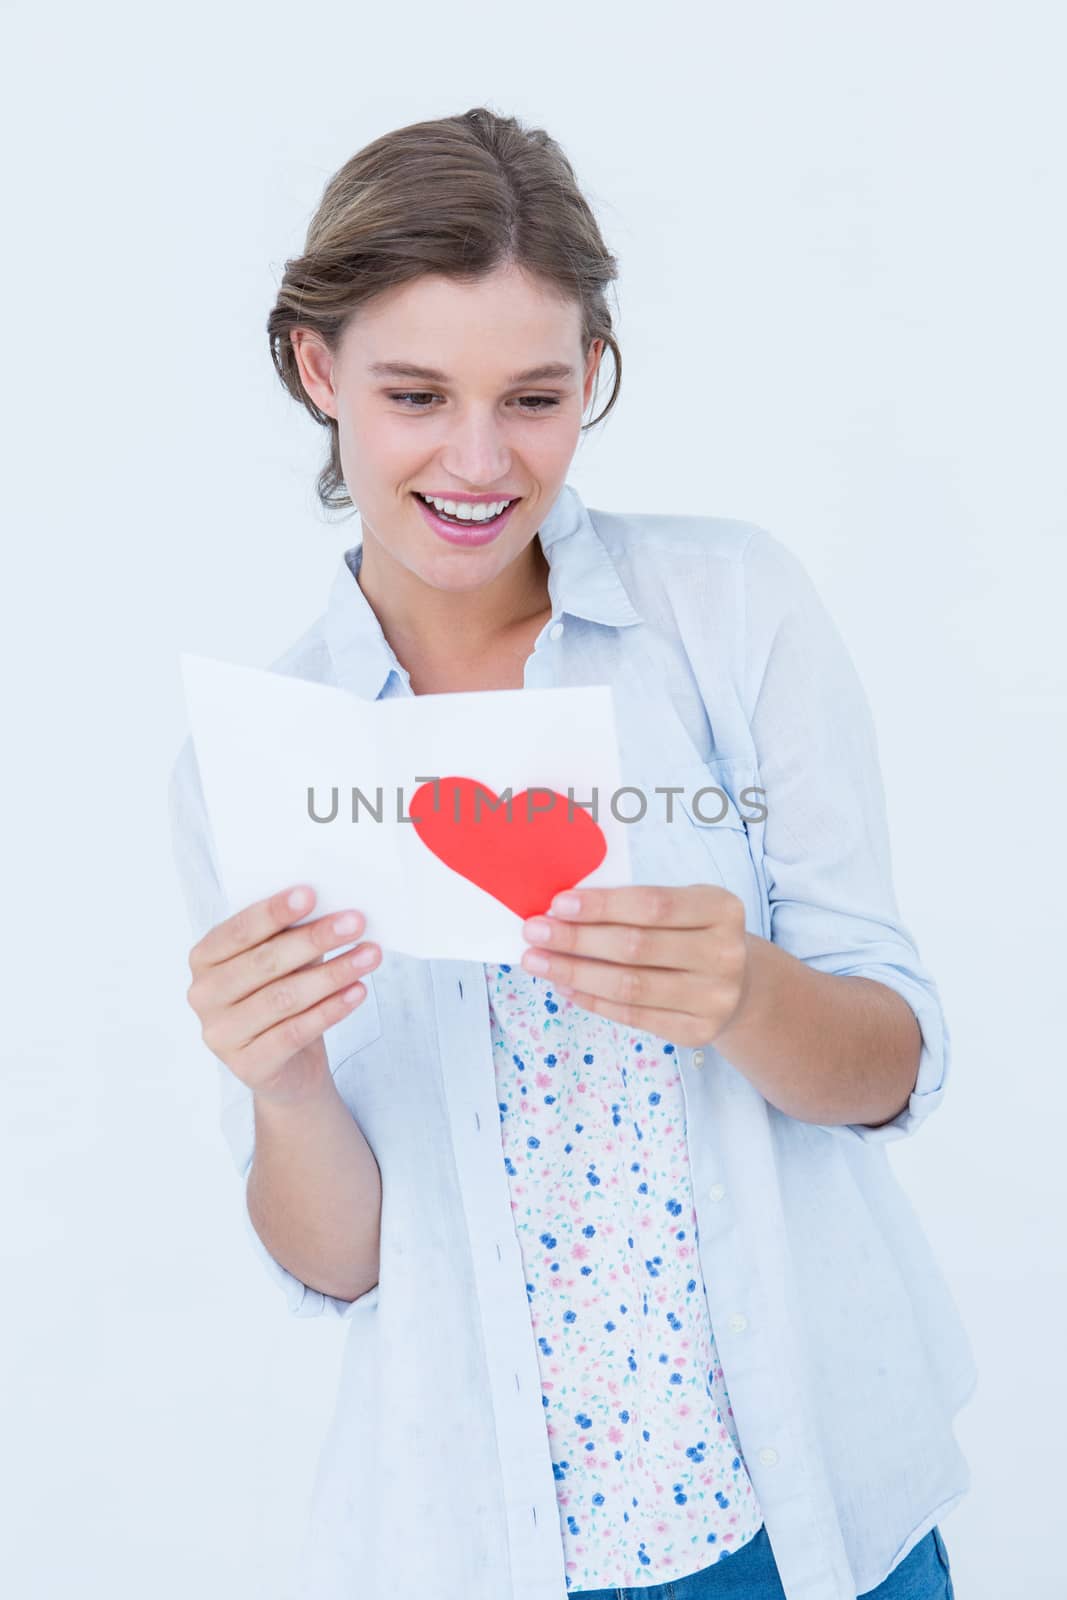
(459, 196)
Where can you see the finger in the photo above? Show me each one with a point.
(282, 1009)
(261, 1055)
(627, 942)
(288, 952)
(284, 950)
(657, 987)
(689, 906)
(251, 926)
(673, 1027)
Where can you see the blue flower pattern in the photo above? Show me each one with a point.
(650, 1480)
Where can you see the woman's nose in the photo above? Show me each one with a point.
(476, 453)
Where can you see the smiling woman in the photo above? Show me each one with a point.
(452, 482)
(632, 1293)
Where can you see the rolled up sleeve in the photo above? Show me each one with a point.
(825, 839)
(207, 905)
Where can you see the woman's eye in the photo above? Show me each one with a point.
(410, 399)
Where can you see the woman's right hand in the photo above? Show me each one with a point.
(264, 993)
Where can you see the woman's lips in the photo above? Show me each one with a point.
(476, 534)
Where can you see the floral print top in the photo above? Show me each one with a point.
(651, 1483)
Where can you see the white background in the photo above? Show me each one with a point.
(842, 246)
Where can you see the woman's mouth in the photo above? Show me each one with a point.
(465, 531)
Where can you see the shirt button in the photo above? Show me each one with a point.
(698, 1058)
(738, 1323)
(555, 630)
(768, 1457)
(716, 1191)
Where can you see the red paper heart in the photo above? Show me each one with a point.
(521, 861)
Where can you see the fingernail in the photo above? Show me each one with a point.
(566, 904)
(299, 899)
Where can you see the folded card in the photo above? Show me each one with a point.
(445, 818)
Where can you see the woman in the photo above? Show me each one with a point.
(635, 1303)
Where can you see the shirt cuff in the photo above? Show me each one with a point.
(932, 1075)
(302, 1300)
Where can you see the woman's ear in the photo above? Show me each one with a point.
(315, 364)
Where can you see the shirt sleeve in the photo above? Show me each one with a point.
(826, 847)
(206, 905)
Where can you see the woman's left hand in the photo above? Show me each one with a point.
(670, 961)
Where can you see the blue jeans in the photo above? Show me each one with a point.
(751, 1574)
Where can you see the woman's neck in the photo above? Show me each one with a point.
(458, 630)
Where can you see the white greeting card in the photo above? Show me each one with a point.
(400, 808)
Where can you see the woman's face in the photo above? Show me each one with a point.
(476, 429)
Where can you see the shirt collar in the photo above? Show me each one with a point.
(582, 582)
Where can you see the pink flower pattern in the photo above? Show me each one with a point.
(651, 1483)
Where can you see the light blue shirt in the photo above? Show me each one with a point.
(842, 1348)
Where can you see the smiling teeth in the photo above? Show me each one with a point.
(464, 509)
